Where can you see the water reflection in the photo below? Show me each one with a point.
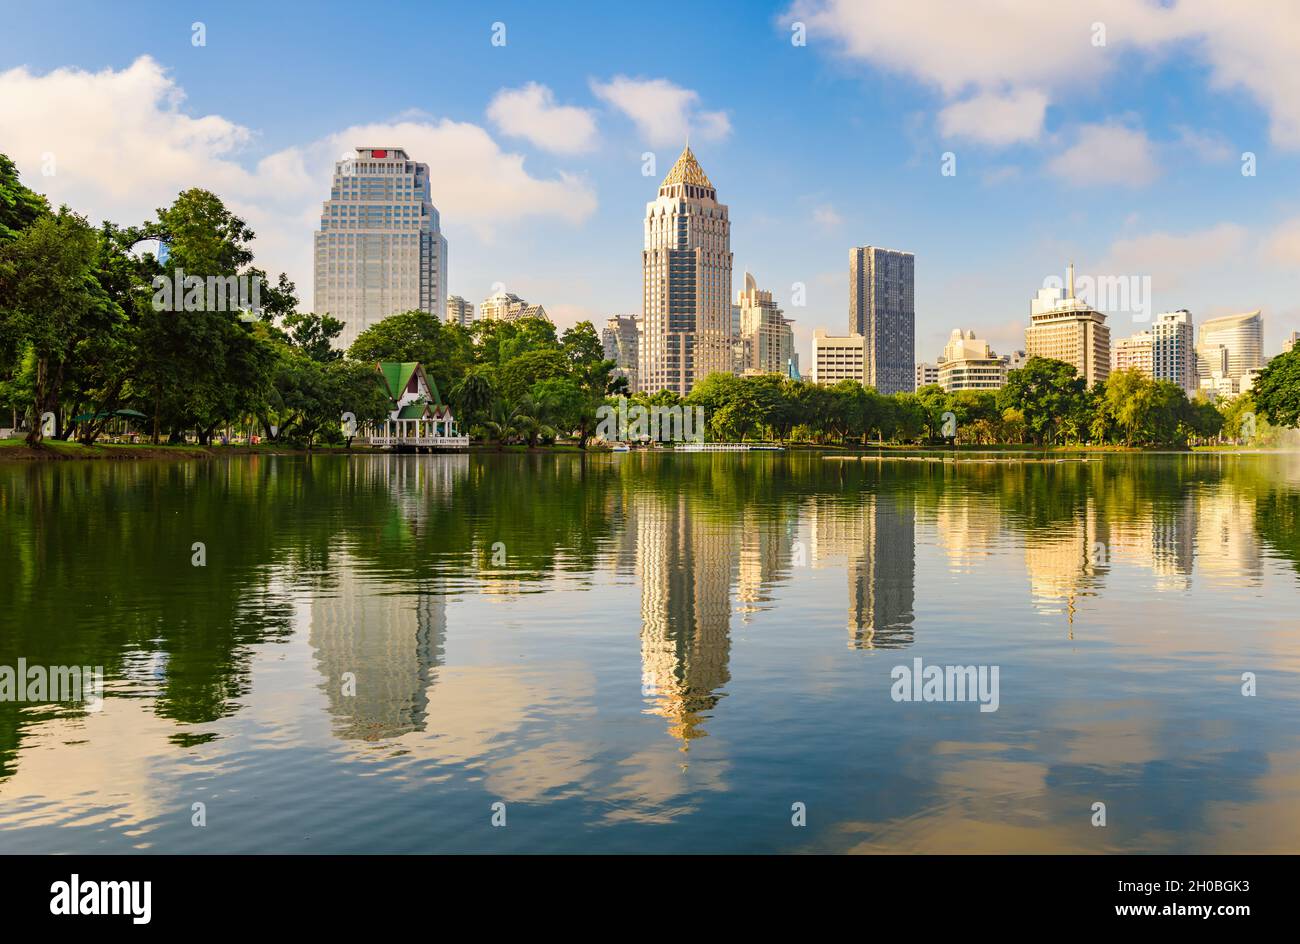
(471, 623)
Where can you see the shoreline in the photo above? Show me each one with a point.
(60, 451)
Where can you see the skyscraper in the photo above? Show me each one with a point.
(882, 308)
(1173, 351)
(1066, 328)
(380, 248)
(1241, 336)
(686, 282)
(621, 341)
(769, 340)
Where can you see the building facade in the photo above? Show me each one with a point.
(1066, 328)
(380, 249)
(1132, 353)
(621, 340)
(838, 358)
(504, 306)
(1173, 349)
(927, 374)
(970, 364)
(460, 311)
(882, 308)
(766, 336)
(686, 331)
(1242, 339)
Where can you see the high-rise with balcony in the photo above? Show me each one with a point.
(1173, 349)
(380, 248)
(882, 308)
(970, 364)
(620, 339)
(686, 282)
(460, 311)
(506, 306)
(1132, 353)
(1066, 328)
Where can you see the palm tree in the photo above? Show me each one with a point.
(473, 394)
(530, 417)
(500, 427)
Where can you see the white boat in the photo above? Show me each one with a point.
(620, 447)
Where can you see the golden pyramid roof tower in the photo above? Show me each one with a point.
(687, 170)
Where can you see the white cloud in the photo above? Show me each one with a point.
(530, 112)
(995, 119)
(663, 113)
(826, 215)
(1107, 154)
(1008, 46)
(1283, 244)
(1175, 261)
(123, 147)
(1208, 146)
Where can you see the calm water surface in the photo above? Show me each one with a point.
(653, 653)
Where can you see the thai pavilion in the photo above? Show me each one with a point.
(419, 418)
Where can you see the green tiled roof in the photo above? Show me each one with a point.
(397, 374)
(413, 411)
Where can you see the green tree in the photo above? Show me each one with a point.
(51, 301)
(1276, 391)
(1044, 392)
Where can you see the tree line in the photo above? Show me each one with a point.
(83, 340)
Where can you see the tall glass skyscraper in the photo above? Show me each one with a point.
(380, 248)
(686, 280)
(882, 308)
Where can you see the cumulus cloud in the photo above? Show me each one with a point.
(530, 112)
(1108, 153)
(123, 145)
(1006, 47)
(1283, 244)
(664, 113)
(1175, 261)
(999, 120)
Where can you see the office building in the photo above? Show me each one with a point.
(1066, 328)
(882, 308)
(621, 342)
(686, 331)
(838, 358)
(380, 249)
(970, 364)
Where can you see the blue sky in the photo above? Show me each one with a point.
(1124, 157)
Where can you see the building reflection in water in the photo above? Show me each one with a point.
(392, 643)
(875, 536)
(388, 633)
(1066, 561)
(685, 561)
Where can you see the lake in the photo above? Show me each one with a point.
(655, 653)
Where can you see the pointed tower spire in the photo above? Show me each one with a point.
(1070, 293)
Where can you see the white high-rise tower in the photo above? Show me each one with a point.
(686, 279)
(380, 249)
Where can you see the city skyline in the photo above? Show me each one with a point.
(565, 146)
